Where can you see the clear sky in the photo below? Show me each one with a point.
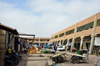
(45, 17)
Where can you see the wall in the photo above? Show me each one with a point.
(2, 46)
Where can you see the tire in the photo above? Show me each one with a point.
(57, 59)
(16, 61)
(53, 52)
(75, 60)
(61, 59)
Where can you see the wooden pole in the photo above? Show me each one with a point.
(10, 42)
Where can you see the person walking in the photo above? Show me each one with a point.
(55, 48)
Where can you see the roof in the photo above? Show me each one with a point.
(35, 38)
(9, 29)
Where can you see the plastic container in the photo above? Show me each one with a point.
(69, 61)
(30, 52)
(80, 52)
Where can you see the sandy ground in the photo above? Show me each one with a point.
(92, 60)
(22, 62)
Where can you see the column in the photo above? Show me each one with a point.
(93, 35)
(67, 44)
(64, 37)
(81, 43)
(72, 45)
(57, 43)
(57, 40)
(39, 41)
(60, 42)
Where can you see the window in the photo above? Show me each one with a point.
(70, 32)
(47, 40)
(98, 22)
(56, 36)
(85, 27)
(61, 34)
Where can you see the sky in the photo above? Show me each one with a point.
(45, 17)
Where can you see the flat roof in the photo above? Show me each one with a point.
(9, 29)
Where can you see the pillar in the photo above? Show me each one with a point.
(73, 40)
(93, 35)
(64, 37)
(81, 42)
(57, 40)
(39, 41)
(67, 44)
(60, 42)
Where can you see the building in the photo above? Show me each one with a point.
(40, 41)
(81, 35)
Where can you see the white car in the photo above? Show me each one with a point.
(61, 48)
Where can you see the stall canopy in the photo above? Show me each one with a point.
(9, 29)
(97, 41)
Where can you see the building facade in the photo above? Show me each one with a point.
(81, 35)
(40, 41)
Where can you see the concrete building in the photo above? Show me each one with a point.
(40, 41)
(81, 35)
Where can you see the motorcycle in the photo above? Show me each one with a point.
(11, 59)
(8, 61)
(15, 58)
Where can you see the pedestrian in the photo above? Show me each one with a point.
(55, 48)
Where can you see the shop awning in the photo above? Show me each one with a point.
(97, 41)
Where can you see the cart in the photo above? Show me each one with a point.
(58, 57)
(76, 58)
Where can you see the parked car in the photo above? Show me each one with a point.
(36, 45)
(48, 46)
(59, 48)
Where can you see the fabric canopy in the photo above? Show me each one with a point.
(97, 41)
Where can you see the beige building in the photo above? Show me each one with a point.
(40, 41)
(81, 35)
